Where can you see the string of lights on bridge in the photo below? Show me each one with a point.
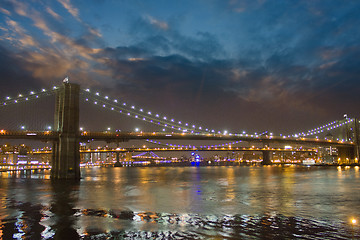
(29, 96)
(160, 120)
(330, 126)
(192, 146)
(141, 114)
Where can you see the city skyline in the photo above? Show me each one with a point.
(234, 65)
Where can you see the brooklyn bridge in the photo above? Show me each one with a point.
(66, 135)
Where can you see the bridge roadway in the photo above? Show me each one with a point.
(164, 149)
(126, 136)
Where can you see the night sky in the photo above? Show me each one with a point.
(282, 66)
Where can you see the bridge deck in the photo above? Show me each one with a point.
(126, 136)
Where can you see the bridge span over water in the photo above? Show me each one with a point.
(127, 136)
(66, 136)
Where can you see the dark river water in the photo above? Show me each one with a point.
(222, 202)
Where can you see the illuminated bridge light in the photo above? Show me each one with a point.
(97, 94)
(115, 100)
(112, 108)
(104, 105)
(95, 102)
(124, 104)
(133, 107)
(43, 90)
(20, 95)
(141, 110)
(88, 90)
(106, 97)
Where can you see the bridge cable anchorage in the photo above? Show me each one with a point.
(139, 113)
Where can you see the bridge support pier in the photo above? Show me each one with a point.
(66, 155)
(357, 140)
(266, 158)
(346, 155)
(117, 164)
(117, 157)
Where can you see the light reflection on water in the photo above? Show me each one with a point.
(183, 203)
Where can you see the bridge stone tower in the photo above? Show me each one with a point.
(350, 155)
(66, 155)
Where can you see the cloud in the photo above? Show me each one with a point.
(21, 8)
(75, 13)
(52, 13)
(160, 24)
(70, 8)
(4, 11)
(281, 69)
(55, 56)
(11, 71)
(23, 39)
(240, 6)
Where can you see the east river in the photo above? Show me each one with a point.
(218, 202)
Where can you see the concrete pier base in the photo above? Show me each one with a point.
(346, 155)
(266, 158)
